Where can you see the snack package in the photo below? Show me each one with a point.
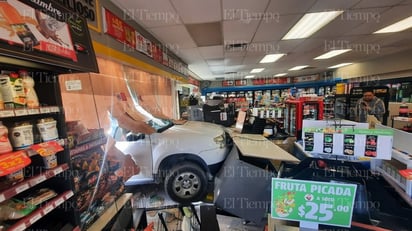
(15, 209)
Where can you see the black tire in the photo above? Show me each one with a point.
(186, 183)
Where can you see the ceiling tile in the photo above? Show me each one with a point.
(328, 5)
(385, 17)
(375, 3)
(244, 10)
(198, 11)
(151, 13)
(190, 55)
(275, 29)
(233, 61)
(215, 62)
(348, 21)
(290, 6)
(238, 31)
(175, 36)
(206, 34)
(211, 52)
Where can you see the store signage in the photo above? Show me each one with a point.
(84, 8)
(258, 81)
(43, 31)
(228, 83)
(13, 161)
(311, 201)
(241, 82)
(356, 142)
(309, 78)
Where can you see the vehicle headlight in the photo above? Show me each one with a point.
(220, 140)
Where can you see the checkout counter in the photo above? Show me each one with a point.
(243, 184)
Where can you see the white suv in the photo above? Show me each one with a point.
(184, 157)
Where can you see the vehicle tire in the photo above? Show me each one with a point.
(186, 183)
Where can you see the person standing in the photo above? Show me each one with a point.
(369, 104)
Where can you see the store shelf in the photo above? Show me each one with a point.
(87, 146)
(36, 215)
(405, 158)
(28, 111)
(405, 119)
(110, 212)
(32, 181)
(398, 186)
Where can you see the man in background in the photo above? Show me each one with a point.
(369, 104)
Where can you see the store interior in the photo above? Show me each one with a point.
(106, 127)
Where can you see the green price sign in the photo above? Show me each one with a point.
(312, 201)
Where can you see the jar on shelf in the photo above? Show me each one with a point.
(47, 128)
(21, 135)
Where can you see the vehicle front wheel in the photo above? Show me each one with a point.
(186, 183)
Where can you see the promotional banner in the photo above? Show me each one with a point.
(312, 201)
(43, 31)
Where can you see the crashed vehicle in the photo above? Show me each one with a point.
(182, 156)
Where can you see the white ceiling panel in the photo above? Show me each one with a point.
(376, 3)
(290, 6)
(385, 18)
(233, 61)
(234, 31)
(211, 52)
(244, 10)
(190, 54)
(149, 14)
(198, 11)
(215, 62)
(327, 5)
(275, 29)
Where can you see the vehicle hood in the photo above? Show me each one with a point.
(190, 137)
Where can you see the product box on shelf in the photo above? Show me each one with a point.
(97, 183)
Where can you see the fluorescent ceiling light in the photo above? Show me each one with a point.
(340, 65)
(280, 74)
(396, 27)
(271, 58)
(332, 53)
(257, 70)
(249, 76)
(310, 23)
(298, 68)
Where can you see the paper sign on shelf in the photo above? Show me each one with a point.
(310, 201)
(351, 140)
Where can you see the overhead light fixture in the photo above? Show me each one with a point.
(271, 58)
(310, 23)
(257, 70)
(297, 68)
(396, 27)
(332, 53)
(280, 74)
(340, 65)
(249, 76)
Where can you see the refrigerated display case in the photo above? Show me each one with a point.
(308, 108)
(329, 107)
(356, 93)
(341, 106)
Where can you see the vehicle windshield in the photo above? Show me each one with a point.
(159, 124)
